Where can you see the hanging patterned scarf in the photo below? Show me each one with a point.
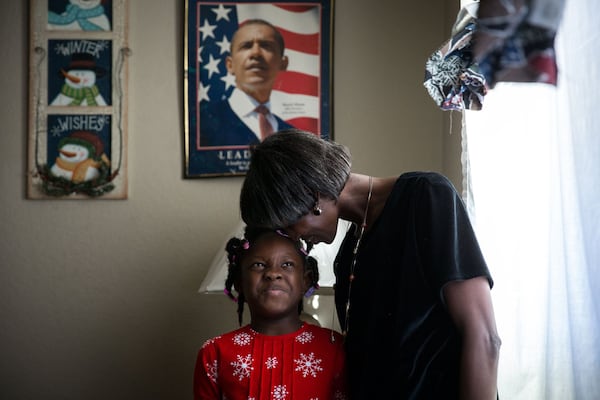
(494, 41)
(74, 13)
(79, 95)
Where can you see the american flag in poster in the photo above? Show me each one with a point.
(301, 94)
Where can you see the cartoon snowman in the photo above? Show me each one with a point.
(87, 15)
(80, 87)
(80, 157)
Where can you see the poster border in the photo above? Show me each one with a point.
(211, 162)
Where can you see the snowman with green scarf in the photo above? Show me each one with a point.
(79, 88)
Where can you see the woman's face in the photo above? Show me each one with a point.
(273, 277)
(317, 228)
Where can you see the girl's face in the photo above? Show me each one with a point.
(273, 277)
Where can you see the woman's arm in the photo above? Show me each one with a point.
(469, 303)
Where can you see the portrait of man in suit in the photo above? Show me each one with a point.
(256, 58)
(253, 69)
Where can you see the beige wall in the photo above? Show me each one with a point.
(98, 299)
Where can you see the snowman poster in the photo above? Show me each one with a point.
(78, 154)
(79, 72)
(77, 143)
(80, 15)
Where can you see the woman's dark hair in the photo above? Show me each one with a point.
(236, 248)
(288, 171)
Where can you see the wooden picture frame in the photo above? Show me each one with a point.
(77, 141)
(221, 122)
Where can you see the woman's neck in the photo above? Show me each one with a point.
(355, 195)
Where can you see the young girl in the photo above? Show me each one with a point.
(276, 356)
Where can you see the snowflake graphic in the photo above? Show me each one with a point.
(102, 44)
(271, 362)
(61, 49)
(56, 131)
(242, 339)
(242, 367)
(212, 371)
(308, 365)
(104, 120)
(210, 341)
(304, 337)
(279, 392)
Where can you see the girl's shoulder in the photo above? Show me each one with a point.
(241, 334)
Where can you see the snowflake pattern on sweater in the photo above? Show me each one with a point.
(244, 365)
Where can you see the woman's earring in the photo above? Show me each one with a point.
(317, 210)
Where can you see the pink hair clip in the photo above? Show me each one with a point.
(282, 233)
(230, 295)
(311, 290)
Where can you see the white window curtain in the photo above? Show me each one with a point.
(532, 174)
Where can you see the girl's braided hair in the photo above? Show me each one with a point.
(236, 248)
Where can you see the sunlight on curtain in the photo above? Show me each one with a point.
(534, 187)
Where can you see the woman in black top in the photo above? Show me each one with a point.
(412, 287)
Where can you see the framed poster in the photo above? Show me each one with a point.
(77, 100)
(251, 69)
